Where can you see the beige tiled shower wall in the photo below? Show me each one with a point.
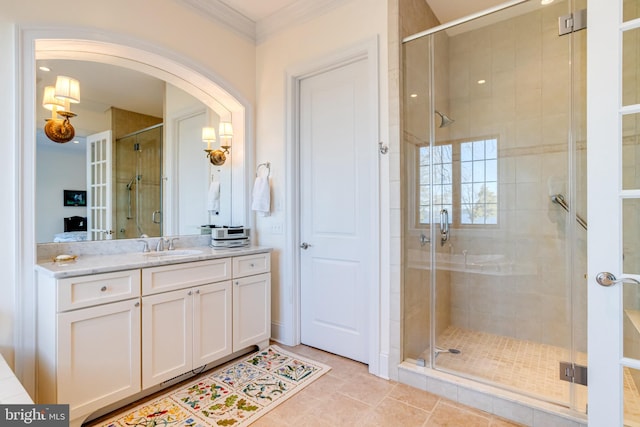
(128, 164)
(406, 17)
(526, 104)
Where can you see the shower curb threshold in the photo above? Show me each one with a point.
(494, 400)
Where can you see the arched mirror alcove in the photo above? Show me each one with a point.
(184, 74)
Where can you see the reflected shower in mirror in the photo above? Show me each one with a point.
(147, 176)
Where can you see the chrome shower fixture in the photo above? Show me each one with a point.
(445, 120)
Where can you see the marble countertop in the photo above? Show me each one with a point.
(92, 263)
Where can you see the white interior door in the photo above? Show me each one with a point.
(338, 167)
(613, 43)
(99, 164)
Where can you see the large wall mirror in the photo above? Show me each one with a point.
(158, 180)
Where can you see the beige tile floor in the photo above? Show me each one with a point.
(349, 396)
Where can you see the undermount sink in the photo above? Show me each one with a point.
(177, 252)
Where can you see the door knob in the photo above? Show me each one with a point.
(607, 279)
(304, 245)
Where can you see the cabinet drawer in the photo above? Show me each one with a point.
(86, 291)
(249, 265)
(177, 276)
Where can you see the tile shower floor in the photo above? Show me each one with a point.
(525, 366)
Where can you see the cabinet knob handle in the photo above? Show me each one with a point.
(237, 283)
(197, 291)
(137, 304)
(190, 293)
(103, 289)
(252, 265)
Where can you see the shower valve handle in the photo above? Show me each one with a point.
(607, 279)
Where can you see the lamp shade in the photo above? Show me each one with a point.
(225, 133)
(226, 130)
(68, 88)
(49, 100)
(208, 134)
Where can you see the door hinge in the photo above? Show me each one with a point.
(573, 373)
(572, 22)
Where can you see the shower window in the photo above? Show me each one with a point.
(442, 186)
(479, 182)
(465, 181)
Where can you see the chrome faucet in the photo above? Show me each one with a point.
(171, 240)
(160, 245)
(145, 248)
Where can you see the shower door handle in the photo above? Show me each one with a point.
(444, 226)
(154, 215)
(607, 279)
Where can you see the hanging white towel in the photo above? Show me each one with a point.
(213, 197)
(261, 200)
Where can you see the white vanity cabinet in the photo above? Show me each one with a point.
(88, 340)
(251, 300)
(193, 315)
(105, 338)
(186, 328)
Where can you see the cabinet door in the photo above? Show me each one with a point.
(98, 355)
(251, 310)
(166, 336)
(211, 323)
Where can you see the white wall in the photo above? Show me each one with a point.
(163, 25)
(60, 167)
(8, 191)
(310, 41)
(185, 117)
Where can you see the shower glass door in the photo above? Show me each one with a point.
(494, 159)
(417, 290)
(138, 184)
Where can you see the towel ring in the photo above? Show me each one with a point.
(266, 165)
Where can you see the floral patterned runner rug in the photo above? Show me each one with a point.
(233, 395)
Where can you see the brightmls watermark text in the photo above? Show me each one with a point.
(34, 415)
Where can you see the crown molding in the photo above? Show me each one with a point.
(258, 32)
(300, 11)
(224, 15)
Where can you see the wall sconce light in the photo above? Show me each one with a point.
(218, 157)
(58, 99)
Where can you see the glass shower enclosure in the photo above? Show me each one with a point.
(494, 201)
(138, 184)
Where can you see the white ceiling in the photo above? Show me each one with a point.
(257, 10)
(445, 10)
